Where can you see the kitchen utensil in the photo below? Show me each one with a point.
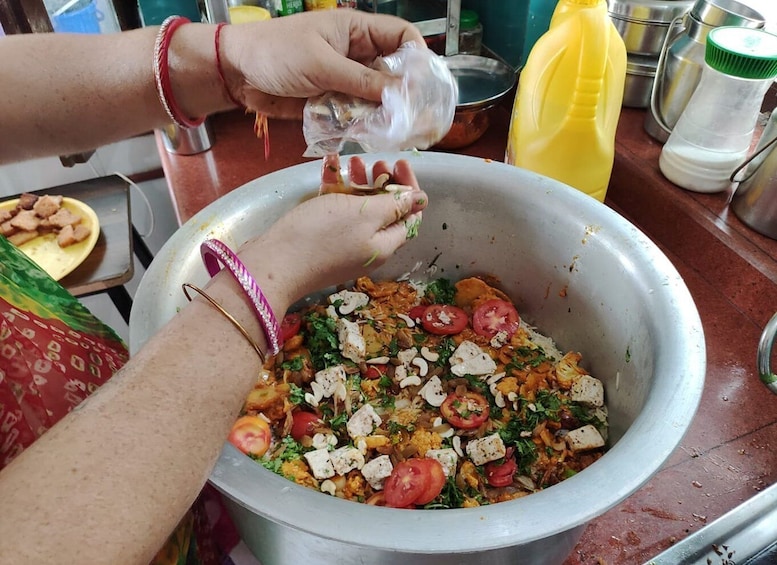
(765, 346)
(755, 199)
(578, 270)
(716, 128)
(640, 72)
(482, 82)
(681, 59)
(643, 24)
(45, 251)
(187, 141)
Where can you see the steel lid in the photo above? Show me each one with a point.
(649, 11)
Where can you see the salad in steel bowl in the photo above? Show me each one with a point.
(415, 395)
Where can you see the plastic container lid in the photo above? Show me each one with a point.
(468, 19)
(245, 14)
(742, 52)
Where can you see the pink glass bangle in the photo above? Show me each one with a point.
(214, 255)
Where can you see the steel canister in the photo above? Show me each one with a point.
(755, 199)
(682, 59)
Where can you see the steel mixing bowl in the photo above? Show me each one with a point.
(577, 270)
(482, 83)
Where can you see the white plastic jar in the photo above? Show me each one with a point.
(714, 132)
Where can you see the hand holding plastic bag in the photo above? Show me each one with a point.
(414, 115)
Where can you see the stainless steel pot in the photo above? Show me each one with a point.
(755, 199)
(643, 24)
(577, 270)
(681, 59)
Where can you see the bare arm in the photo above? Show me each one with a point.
(110, 481)
(67, 93)
(64, 93)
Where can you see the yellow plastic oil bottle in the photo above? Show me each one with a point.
(569, 99)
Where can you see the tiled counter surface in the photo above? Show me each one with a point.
(730, 451)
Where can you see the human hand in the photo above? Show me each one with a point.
(310, 53)
(337, 237)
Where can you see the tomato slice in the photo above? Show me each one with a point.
(465, 411)
(495, 316)
(443, 319)
(437, 479)
(405, 484)
(251, 435)
(290, 325)
(416, 312)
(375, 371)
(501, 474)
(303, 424)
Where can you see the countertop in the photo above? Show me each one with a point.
(730, 451)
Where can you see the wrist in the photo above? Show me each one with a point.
(194, 75)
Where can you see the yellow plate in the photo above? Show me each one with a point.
(55, 260)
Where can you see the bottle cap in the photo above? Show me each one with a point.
(468, 19)
(742, 52)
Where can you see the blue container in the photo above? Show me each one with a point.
(504, 26)
(154, 12)
(537, 23)
(82, 18)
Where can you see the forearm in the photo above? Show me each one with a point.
(111, 480)
(63, 93)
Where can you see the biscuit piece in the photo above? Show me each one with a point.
(47, 205)
(21, 237)
(63, 217)
(27, 201)
(26, 220)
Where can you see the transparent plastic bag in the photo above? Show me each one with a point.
(415, 115)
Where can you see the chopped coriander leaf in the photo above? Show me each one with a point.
(385, 382)
(322, 341)
(525, 356)
(445, 350)
(296, 395)
(387, 401)
(441, 291)
(546, 406)
(393, 347)
(450, 497)
(418, 339)
(337, 303)
(288, 450)
(395, 427)
(339, 421)
(294, 364)
(480, 386)
(583, 414)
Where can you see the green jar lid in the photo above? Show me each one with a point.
(468, 19)
(742, 52)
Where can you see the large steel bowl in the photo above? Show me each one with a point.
(577, 270)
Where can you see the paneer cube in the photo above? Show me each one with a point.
(320, 464)
(584, 438)
(352, 343)
(346, 459)
(469, 359)
(484, 450)
(588, 390)
(362, 422)
(377, 470)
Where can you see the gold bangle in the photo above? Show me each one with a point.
(227, 315)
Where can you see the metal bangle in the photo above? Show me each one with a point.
(226, 314)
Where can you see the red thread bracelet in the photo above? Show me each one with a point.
(220, 69)
(164, 86)
(214, 254)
